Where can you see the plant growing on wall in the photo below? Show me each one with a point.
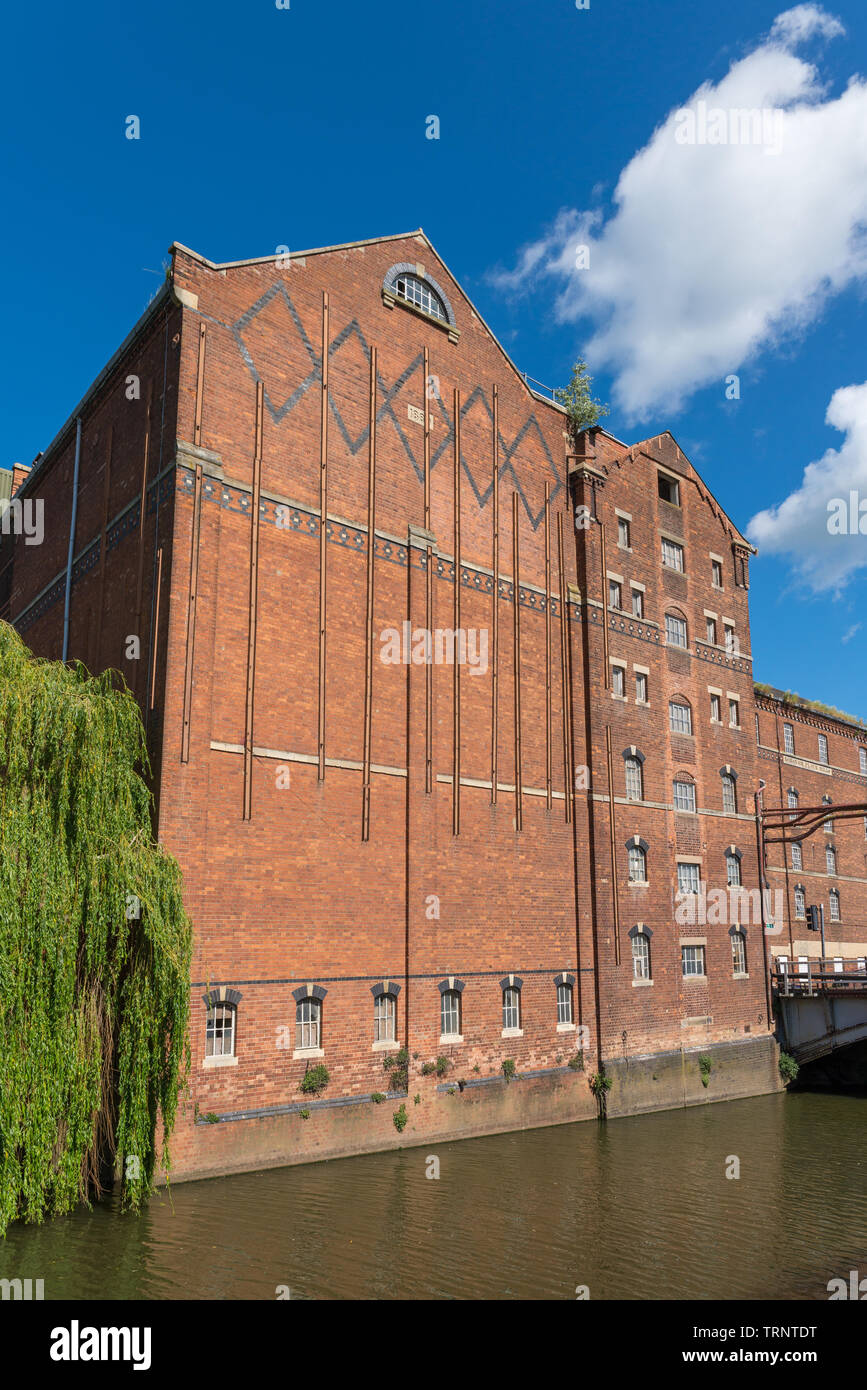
(705, 1065)
(400, 1118)
(509, 1069)
(788, 1067)
(396, 1064)
(315, 1079)
(95, 945)
(581, 408)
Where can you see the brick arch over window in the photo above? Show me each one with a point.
(636, 842)
(564, 978)
(640, 930)
(400, 268)
(728, 771)
(385, 987)
(309, 992)
(633, 752)
(682, 775)
(674, 612)
(451, 983)
(223, 995)
(511, 982)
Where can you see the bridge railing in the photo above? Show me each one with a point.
(817, 974)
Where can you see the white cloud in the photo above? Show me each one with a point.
(817, 526)
(716, 251)
(850, 633)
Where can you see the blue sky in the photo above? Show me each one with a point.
(302, 127)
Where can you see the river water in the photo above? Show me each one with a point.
(637, 1208)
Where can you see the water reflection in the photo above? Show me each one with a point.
(639, 1208)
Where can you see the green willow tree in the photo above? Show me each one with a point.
(95, 945)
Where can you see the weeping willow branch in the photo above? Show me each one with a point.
(94, 999)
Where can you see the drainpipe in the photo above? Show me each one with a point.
(763, 888)
(72, 522)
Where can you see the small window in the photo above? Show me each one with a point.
(829, 823)
(739, 953)
(220, 1031)
(675, 630)
(679, 717)
(623, 532)
(862, 761)
(637, 865)
(684, 796)
(637, 603)
(450, 1014)
(641, 956)
(715, 709)
(729, 794)
(716, 575)
(711, 631)
(672, 555)
(618, 680)
(797, 857)
(688, 878)
(733, 871)
(734, 714)
(308, 1024)
(615, 594)
(640, 688)
(800, 904)
(511, 1008)
(834, 904)
(692, 960)
(384, 1018)
(731, 642)
(634, 780)
(823, 750)
(419, 293)
(758, 736)
(788, 739)
(831, 860)
(669, 489)
(564, 1004)
(792, 798)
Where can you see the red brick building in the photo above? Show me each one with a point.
(411, 811)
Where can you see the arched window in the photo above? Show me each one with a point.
(385, 1018)
(797, 857)
(634, 778)
(220, 1030)
(831, 860)
(565, 1014)
(792, 797)
(308, 1024)
(451, 1012)
(729, 791)
(511, 987)
(640, 955)
(733, 867)
(221, 1024)
(739, 953)
(834, 903)
(637, 850)
(829, 823)
(419, 292)
(675, 630)
(800, 902)
(684, 792)
(679, 715)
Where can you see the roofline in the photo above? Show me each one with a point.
(800, 702)
(293, 255)
(162, 297)
(637, 445)
(375, 241)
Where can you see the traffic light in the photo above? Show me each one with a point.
(812, 918)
